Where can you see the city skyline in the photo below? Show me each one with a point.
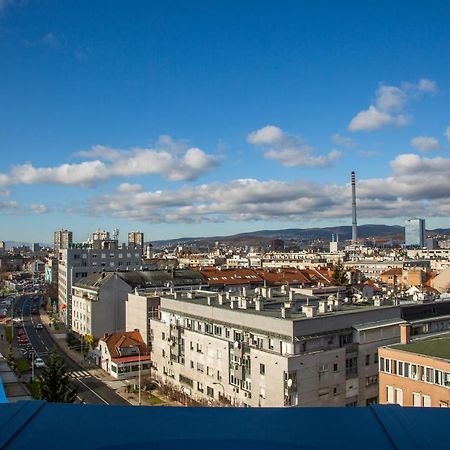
(212, 119)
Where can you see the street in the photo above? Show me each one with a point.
(90, 389)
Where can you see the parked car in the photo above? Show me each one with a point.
(21, 332)
(39, 362)
(39, 326)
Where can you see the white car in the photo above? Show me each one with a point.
(38, 362)
(39, 326)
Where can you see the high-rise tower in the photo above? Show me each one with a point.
(354, 225)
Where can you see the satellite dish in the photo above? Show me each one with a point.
(236, 344)
(289, 382)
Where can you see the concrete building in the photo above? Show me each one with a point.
(415, 233)
(136, 240)
(416, 372)
(80, 260)
(98, 304)
(62, 239)
(99, 301)
(280, 351)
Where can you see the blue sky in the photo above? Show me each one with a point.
(210, 118)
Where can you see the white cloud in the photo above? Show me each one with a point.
(343, 141)
(289, 150)
(407, 191)
(108, 162)
(371, 119)
(39, 209)
(5, 205)
(425, 85)
(447, 133)
(389, 106)
(267, 135)
(425, 143)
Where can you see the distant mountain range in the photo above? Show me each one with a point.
(261, 237)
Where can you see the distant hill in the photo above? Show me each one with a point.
(385, 232)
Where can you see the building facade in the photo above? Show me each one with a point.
(62, 239)
(415, 233)
(416, 372)
(80, 260)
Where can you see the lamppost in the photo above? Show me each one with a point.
(223, 388)
(139, 371)
(139, 353)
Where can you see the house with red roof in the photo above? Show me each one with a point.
(120, 354)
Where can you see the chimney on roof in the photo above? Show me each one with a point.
(405, 333)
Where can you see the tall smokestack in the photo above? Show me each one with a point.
(354, 226)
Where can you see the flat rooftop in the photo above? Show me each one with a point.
(436, 346)
(272, 307)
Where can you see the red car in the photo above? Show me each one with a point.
(21, 332)
(22, 340)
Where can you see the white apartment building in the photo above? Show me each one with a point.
(249, 351)
(107, 302)
(97, 255)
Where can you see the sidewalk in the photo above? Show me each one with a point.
(119, 386)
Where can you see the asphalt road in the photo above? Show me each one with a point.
(90, 389)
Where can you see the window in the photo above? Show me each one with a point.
(199, 367)
(335, 367)
(416, 399)
(390, 394)
(400, 368)
(192, 364)
(199, 386)
(426, 401)
(209, 391)
(367, 360)
(399, 396)
(262, 369)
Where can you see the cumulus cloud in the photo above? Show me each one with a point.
(407, 191)
(39, 209)
(289, 150)
(105, 163)
(425, 143)
(389, 105)
(342, 141)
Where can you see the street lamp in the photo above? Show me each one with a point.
(223, 388)
(139, 353)
(139, 372)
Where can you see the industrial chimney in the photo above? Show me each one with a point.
(354, 226)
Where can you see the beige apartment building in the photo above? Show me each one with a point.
(289, 350)
(416, 372)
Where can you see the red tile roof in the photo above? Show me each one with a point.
(124, 339)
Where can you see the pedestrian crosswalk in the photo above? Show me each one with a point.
(79, 374)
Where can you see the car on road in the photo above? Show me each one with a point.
(39, 363)
(39, 326)
(18, 325)
(21, 332)
(23, 340)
